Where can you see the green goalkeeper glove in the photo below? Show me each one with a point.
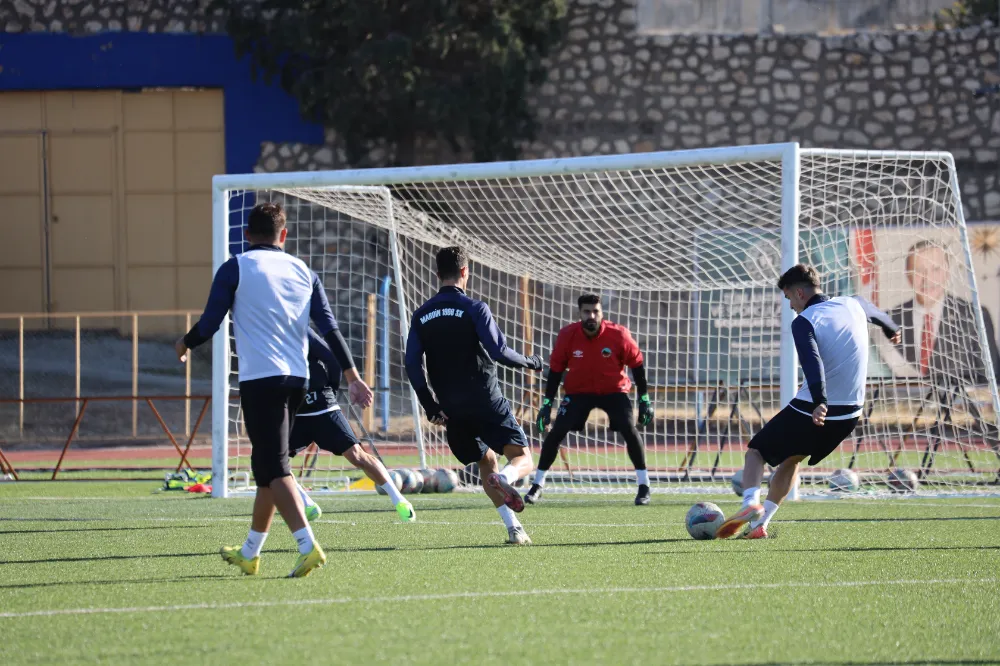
(544, 417)
(645, 410)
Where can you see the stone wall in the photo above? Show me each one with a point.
(92, 16)
(612, 90)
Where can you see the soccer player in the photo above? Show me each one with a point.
(462, 344)
(320, 420)
(593, 354)
(831, 338)
(272, 296)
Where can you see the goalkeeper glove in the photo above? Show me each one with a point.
(645, 410)
(536, 363)
(544, 417)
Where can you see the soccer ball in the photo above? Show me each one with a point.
(430, 481)
(412, 481)
(845, 480)
(902, 480)
(446, 480)
(702, 520)
(737, 483)
(397, 480)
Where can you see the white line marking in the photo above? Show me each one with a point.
(482, 595)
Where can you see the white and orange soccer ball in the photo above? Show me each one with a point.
(703, 519)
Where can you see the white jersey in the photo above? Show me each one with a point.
(836, 331)
(270, 315)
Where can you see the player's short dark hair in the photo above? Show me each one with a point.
(799, 275)
(266, 221)
(451, 261)
(922, 245)
(588, 299)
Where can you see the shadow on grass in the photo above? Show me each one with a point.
(147, 581)
(839, 549)
(926, 519)
(915, 662)
(109, 558)
(107, 529)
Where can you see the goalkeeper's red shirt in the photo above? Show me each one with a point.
(595, 365)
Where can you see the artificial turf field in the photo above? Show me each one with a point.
(111, 573)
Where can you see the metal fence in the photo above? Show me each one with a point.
(100, 381)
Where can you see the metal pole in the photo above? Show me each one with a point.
(135, 373)
(404, 325)
(384, 382)
(187, 381)
(220, 350)
(789, 369)
(78, 363)
(20, 372)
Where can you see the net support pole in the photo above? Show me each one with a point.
(790, 170)
(404, 324)
(384, 386)
(220, 352)
(971, 274)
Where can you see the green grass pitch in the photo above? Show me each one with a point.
(112, 573)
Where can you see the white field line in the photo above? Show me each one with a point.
(485, 595)
(370, 523)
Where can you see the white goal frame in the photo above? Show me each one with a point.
(789, 155)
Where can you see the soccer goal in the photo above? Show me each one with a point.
(685, 248)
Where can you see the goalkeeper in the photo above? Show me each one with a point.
(593, 354)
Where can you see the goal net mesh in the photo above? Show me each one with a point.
(687, 258)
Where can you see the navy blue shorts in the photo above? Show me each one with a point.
(330, 431)
(469, 437)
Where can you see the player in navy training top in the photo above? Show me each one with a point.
(831, 339)
(272, 295)
(321, 420)
(461, 342)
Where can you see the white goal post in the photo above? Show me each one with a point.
(685, 248)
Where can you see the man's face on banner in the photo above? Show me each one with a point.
(927, 271)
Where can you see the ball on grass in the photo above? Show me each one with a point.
(903, 481)
(397, 480)
(447, 480)
(736, 481)
(703, 519)
(430, 481)
(845, 481)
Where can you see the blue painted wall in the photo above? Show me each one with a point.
(254, 112)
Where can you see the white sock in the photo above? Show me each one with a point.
(253, 545)
(540, 477)
(769, 509)
(392, 491)
(306, 500)
(507, 516)
(751, 496)
(642, 477)
(510, 473)
(305, 539)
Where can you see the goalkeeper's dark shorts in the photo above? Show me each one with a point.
(472, 434)
(792, 433)
(574, 410)
(330, 431)
(269, 405)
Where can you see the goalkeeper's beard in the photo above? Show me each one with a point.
(591, 326)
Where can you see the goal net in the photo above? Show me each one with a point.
(684, 249)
